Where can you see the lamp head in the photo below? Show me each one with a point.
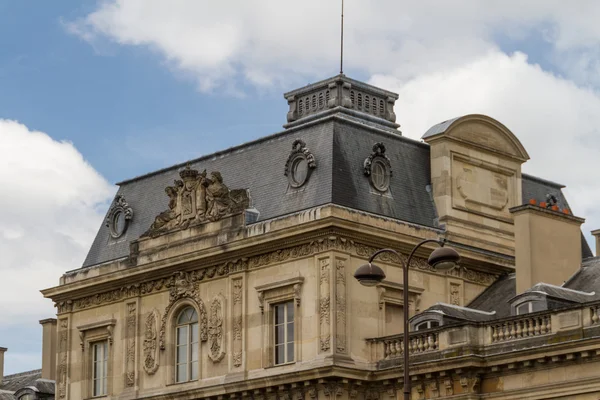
(444, 259)
(369, 275)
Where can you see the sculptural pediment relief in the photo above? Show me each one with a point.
(196, 199)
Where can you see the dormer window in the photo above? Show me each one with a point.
(427, 325)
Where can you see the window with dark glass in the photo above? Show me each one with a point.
(186, 332)
(99, 368)
(283, 324)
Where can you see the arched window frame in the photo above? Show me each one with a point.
(171, 340)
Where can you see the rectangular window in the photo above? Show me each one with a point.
(283, 314)
(99, 368)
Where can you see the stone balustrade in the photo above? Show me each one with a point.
(523, 331)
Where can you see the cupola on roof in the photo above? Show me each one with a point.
(341, 94)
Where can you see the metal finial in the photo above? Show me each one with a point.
(342, 42)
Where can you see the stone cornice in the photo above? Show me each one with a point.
(331, 241)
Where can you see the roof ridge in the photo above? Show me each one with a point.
(25, 373)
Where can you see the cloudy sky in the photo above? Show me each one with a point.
(96, 92)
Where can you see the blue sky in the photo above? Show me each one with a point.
(96, 92)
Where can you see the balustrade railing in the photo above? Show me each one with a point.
(521, 328)
(418, 343)
(595, 318)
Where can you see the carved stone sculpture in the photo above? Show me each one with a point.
(118, 216)
(197, 199)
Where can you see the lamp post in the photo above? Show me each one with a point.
(442, 259)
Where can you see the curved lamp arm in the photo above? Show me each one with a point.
(406, 338)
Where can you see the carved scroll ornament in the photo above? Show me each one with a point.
(197, 199)
(119, 216)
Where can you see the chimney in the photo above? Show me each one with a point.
(2, 351)
(547, 245)
(596, 235)
(48, 348)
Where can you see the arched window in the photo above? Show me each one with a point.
(186, 333)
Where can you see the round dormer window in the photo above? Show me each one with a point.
(380, 174)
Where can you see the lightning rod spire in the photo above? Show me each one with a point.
(342, 42)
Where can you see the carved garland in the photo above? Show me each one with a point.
(215, 329)
(278, 256)
(151, 342)
(237, 322)
(131, 336)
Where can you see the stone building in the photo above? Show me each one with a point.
(231, 276)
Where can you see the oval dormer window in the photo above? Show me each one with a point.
(380, 175)
(299, 171)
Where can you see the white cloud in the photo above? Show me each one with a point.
(52, 204)
(557, 121)
(273, 41)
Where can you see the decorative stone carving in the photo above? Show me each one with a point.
(340, 307)
(449, 385)
(300, 164)
(237, 322)
(433, 389)
(455, 297)
(197, 199)
(469, 383)
(183, 285)
(324, 304)
(131, 336)
(332, 390)
(215, 330)
(312, 392)
(151, 342)
(469, 184)
(378, 168)
(63, 351)
(372, 394)
(118, 217)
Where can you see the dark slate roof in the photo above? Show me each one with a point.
(561, 293)
(340, 145)
(587, 279)
(496, 296)
(14, 382)
(462, 313)
(439, 128)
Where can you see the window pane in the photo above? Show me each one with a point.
(182, 354)
(194, 335)
(194, 351)
(434, 324)
(537, 306)
(97, 387)
(193, 315)
(97, 352)
(290, 332)
(280, 354)
(290, 352)
(194, 370)
(279, 334)
(182, 335)
(290, 311)
(279, 314)
(182, 373)
(523, 309)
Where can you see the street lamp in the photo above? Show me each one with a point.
(442, 259)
